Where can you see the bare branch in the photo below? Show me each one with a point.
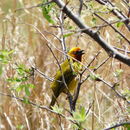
(118, 125)
(116, 30)
(34, 6)
(109, 85)
(95, 69)
(122, 50)
(61, 19)
(91, 61)
(108, 48)
(116, 12)
(38, 106)
(44, 75)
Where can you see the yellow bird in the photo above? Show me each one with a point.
(69, 70)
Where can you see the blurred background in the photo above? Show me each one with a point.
(21, 46)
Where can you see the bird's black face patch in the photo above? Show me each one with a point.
(79, 52)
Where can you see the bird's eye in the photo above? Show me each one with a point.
(75, 52)
(79, 52)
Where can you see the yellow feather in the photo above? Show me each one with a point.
(69, 69)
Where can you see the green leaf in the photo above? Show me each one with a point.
(31, 85)
(127, 126)
(10, 52)
(118, 72)
(20, 127)
(94, 77)
(90, 5)
(103, 9)
(25, 100)
(92, 67)
(47, 16)
(6, 53)
(74, 73)
(22, 70)
(5, 56)
(27, 91)
(46, 11)
(1, 69)
(1, 57)
(94, 20)
(80, 116)
(67, 35)
(126, 93)
(119, 24)
(25, 87)
(57, 109)
(128, 109)
(70, 27)
(20, 87)
(15, 79)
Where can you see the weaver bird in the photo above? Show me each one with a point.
(65, 78)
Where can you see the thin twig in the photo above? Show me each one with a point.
(38, 106)
(118, 125)
(116, 30)
(80, 7)
(98, 26)
(122, 50)
(103, 62)
(115, 11)
(91, 61)
(44, 75)
(61, 20)
(34, 6)
(76, 95)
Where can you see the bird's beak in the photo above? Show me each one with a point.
(81, 52)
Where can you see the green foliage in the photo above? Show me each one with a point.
(94, 21)
(57, 109)
(90, 5)
(22, 70)
(70, 27)
(94, 77)
(79, 116)
(128, 109)
(126, 93)
(74, 73)
(20, 79)
(118, 72)
(92, 67)
(68, 34)
(5, 56)
(119, 24)
(103, 9)
(25, 87)
(46, 9)
(127, 126)
(17, 79)
(1, 69)
(25, 100)
(20, 127)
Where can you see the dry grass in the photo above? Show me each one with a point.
(16, 34)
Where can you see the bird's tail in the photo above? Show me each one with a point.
(53, 100)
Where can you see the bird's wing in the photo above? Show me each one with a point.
(68, 74)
